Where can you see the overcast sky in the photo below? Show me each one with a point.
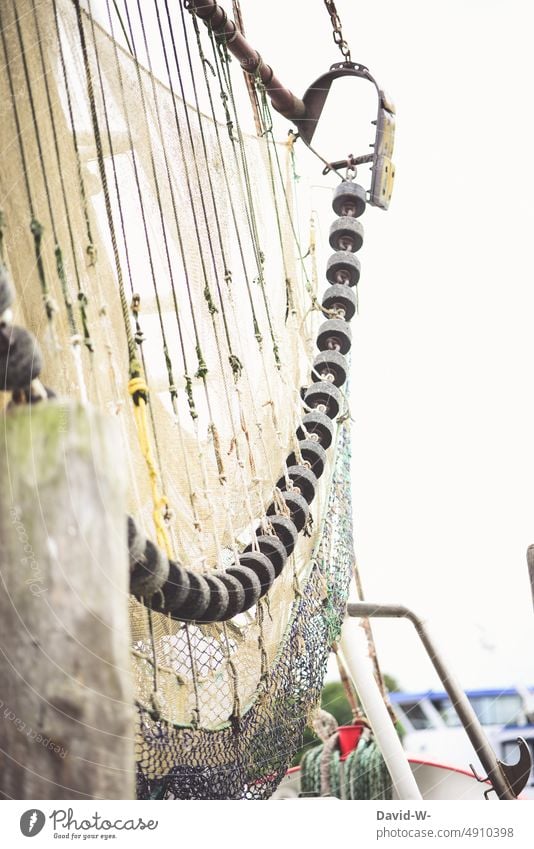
(442, 390)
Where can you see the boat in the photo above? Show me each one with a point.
(432, 729)
(440, 755)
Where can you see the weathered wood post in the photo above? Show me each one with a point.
(66, 693)
(530, 563)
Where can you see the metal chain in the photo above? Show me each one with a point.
(337, 30)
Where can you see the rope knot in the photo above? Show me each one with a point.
(138, 389)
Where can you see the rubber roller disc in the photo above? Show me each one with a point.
(340, 298)
(302, 478)
(268, 562)
(196, 601)
(331, 366)
(346, 234)
(311, 452)
(334, 335)
(344, 268)
(250, 581)
(324, 394)
(219, 600)
(317, 426)
(6, 290)
(136, 543)
(262, 566)
(150, 572)
(20, 358)
(236, 595)
(285, 530)
(298, 508)
(174, 591)
(349, 194)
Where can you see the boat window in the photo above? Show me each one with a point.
(416, 715)
(447, 712)
(490, 710)
(498, 710)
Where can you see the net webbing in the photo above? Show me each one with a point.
(247, 758)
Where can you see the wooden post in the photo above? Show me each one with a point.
(530, 563)
(66, 691)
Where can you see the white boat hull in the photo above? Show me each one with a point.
(435, 781)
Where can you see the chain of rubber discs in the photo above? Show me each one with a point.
(164, 584)
(168, 587)
(21, 361)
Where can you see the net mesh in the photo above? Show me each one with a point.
(246, 758)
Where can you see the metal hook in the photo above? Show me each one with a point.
(518, 774)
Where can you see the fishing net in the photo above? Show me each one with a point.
(148, 234)
(247, 757)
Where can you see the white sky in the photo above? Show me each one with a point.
(442, 370)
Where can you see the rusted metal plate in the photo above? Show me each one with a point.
(382, 182)
(385, 133)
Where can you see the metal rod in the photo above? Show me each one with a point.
(214, 16)
(461, 703)
(355, 650)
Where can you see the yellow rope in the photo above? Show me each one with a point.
(138, 387)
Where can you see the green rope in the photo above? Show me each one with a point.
(60, 268)
(83, 304)
(202, 367)
(133, 362)
(37, 229)
(236, 366)
(190, 399)
(310, 771)
(365, 772)
(271, 142)
(222, 60)
(268, 133)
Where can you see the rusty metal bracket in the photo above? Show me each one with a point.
(383, 170)
(518, 774)
(351, 162)
(306, 113)
(315, 96)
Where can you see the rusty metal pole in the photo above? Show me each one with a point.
(214, 16)
(461, 703)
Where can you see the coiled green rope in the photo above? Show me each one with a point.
(364, 773)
